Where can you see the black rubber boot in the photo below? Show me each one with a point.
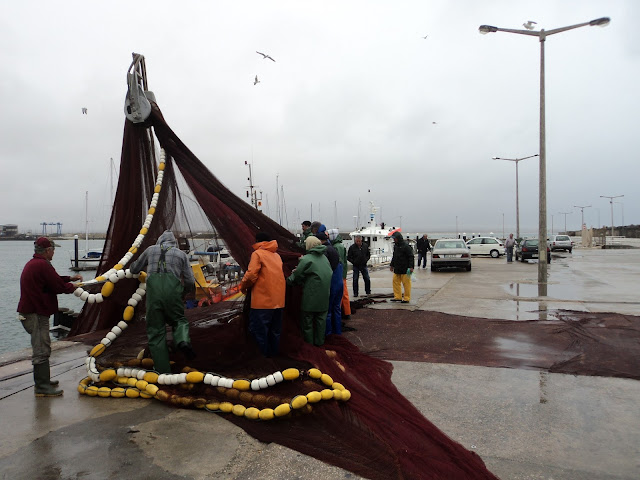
(187, 350)
(41, 377)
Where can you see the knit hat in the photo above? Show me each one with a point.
(333, 233)
(311, 242)
(322, 236)
(262, 237)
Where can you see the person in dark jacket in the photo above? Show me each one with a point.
(39, 285)
(402, 264)
(314, 273)
(423, 247)
(169, 277)
(359, 255)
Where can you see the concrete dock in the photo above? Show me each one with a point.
(524, 424)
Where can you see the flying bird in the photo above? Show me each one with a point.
(256, 81)
(425, 37)
(84, 111)
(264, 56)
(529, 25)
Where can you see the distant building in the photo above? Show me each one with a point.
(8, 230)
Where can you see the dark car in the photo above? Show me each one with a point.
(528, 249)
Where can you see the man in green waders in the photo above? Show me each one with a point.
(169, 275)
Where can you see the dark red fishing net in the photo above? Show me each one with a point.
(377, 433)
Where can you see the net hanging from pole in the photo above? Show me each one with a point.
(377, 433)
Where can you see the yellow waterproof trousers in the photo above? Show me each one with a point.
(400, 281)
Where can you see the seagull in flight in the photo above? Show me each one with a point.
(84, 111)
(425, 37)
(265, 56)
(256, 81)
(529, 25)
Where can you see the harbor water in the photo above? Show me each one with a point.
(13, 257)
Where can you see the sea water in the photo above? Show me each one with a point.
(13, 257)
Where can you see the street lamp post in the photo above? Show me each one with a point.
(582, 225)
(516, 160)
(565, 220)
(622, 206)
(611, 202)
(542, 220)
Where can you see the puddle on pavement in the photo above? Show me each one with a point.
(559, 291)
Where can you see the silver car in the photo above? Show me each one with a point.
(450, 252)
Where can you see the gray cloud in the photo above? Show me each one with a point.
(348, 106)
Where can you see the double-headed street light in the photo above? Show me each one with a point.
(582, 225)
(516, 160)
(611, 202)
(565, 220)
(542, 220)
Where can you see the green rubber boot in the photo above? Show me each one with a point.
(42, 379)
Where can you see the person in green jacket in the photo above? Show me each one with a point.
(314, 273)
(306, 231)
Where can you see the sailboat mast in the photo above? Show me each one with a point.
(86, 221)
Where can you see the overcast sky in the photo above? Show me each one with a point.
(356, 101)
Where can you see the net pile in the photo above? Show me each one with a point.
(377, 433)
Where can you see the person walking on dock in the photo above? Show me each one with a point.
(39, 285)
(169, 276)
(401, 265)
(509, 243)
(423, 247)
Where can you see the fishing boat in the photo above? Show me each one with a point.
(377, 236)
(89, 261)
(91, 257)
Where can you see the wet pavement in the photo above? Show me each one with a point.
(524, 424)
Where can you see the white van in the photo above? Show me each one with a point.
(560, 242)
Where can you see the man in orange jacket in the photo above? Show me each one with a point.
(265, 279)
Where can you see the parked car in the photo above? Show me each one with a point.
(450, 252)
(528, 249)
(560, 242)
(486, 246)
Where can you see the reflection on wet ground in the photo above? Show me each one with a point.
(557, 291)
(523, 351)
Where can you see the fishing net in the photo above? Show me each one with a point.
(364, 424)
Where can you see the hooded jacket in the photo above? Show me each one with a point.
(342, 254)
(175, 260)
(314, 273)
(39, 284)
(403, 258)
(265, 277)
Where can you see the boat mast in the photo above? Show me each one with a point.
(86, 221)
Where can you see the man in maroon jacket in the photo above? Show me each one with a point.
(39, 285)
